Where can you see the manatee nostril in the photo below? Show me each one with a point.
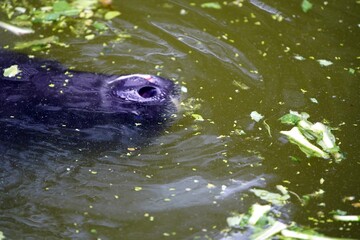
(148, 92)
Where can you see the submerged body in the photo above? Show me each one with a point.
(46, 97)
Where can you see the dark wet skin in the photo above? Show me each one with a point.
(46, 95)
(45, 88)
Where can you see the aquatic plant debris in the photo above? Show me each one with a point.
(16, 30)
(11, 71)
(347, 218)
(257, 211)
(82, 18)
(304, 134)
(306, 5)
(111, 14)
(37, 42)
(214, 5)
(274, 198)
(324, 62)
(295, 136)
(266, 226)
(256, 116)
(197, 117)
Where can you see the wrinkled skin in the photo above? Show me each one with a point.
(47, 98)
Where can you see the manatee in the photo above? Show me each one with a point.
(43, 97)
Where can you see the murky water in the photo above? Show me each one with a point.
(188, 180)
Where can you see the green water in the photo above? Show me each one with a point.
(187, 181)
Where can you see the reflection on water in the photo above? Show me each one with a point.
(185, 182)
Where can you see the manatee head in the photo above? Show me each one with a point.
(147, 97)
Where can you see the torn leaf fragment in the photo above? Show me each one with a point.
(296, 137)
(315, 140)
(11, 71)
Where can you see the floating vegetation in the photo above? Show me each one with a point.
(306, 6)
(306, 134)
(11, 71)
(256, 116)
(214, 5)
(262, 222)
(82, 18)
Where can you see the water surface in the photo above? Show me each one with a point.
(186, 182)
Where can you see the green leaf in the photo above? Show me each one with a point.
(296, 137)
(258, 211)
(197, 117)
(11, 71)
(90, 37)
(274, 198)
(236, 221)
(351, 70)
(40, 42)
(85, 4)
(293, 117)
(290, 119)
(306, 5)
(61, 6)
(99, 25)
(51, 17)
(65, 9)
(214, 5)
(111, 14)
(267, 233)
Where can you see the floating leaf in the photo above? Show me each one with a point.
(351, 70)
(241, 85)
(111, 14)
(326, 140)
(184, 89)
(298, 57)
(275, 228)
(90, 37)
(303, 234)
(256, 116)
(307, 197)
(197, 117)
(347, 218)
(314, 100)
(85, 4)
(214, 5)
(258, 211)
(11, 71)
(99, 26)
(294, 118)
(270, 228)
(305, 131)
(296, 137)
(236, 221)
(274, 198)
(324, 63)
(39, 42)
(306, 5)
(60, 6)
(16, 30)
